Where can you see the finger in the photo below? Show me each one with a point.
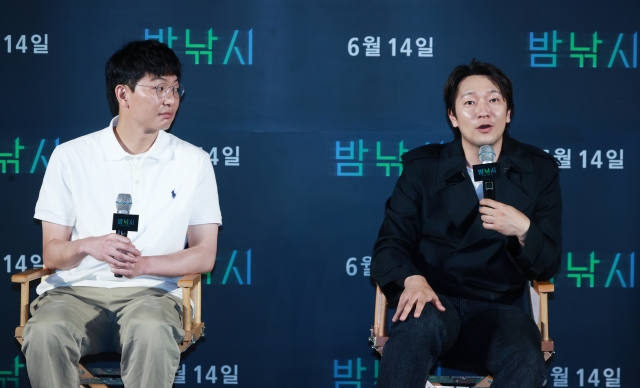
(407, 310)
(117, 263)
(436, 302)
(419, 307)
(485, 202)
(399, 309)
(489, 226)
(486, 210)
(125, 255)
(121, 259)
(124, 247)
(120, 271)
(116, 238)
(120, 242)
(487, 219)
(489, 203)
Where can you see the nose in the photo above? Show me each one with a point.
(482, 109)
(169, 98)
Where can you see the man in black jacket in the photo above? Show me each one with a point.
(459, 262)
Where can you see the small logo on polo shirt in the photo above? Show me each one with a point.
(173, 193)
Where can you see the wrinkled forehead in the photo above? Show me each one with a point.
(477, 85)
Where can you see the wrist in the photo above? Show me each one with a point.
(413, 280)
(143, 265)
(521, 239)
(523, 236)
(83, 248)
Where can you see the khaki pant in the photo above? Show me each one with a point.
(142, 324)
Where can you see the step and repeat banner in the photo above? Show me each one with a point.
(305, 108)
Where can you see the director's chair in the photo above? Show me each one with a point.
(538, 295)
(101, 377)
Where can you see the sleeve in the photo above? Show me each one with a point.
(399, 236)
(206, 208)
(55, 202)
(540, 258)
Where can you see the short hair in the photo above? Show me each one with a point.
(135, 60)
(497, 76)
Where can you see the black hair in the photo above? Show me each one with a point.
(497, 76)
(135, 60)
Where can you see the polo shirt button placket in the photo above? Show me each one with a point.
(139, 182)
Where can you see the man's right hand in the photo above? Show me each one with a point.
(61, 253)
(112, 248)
(417, 292)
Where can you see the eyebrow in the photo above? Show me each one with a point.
(474, 92)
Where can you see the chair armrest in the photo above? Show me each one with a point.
(543, 286)
(380, 314)
(191, 290)
(24, 278)
(30, 274)
(542, 289)
(379, 334)
(189, 280)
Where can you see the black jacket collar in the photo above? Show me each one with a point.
(452, 161)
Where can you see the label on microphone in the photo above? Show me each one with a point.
(128, 222)
(486, 172)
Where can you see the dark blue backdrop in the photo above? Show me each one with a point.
(318, 122)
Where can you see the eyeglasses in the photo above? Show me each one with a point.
(162, 90)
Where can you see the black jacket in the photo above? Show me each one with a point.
(432, 226)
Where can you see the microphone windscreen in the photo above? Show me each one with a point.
(486, 154)
(123, 203)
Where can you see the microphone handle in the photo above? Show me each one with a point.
(489, 190)
(121, 233)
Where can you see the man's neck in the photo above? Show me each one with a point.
(133, 140)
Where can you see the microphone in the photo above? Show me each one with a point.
(486, 154)
(123, 222)
(487, 171)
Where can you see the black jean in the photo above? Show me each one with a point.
(497, 337)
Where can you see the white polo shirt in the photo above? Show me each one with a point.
(172, 186)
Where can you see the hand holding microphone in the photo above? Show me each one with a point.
(123, 222)
(495, 215)
(487, 171)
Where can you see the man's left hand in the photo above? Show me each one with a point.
(129, 271)
(504, 219)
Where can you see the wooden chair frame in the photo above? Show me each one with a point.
(539, 294)
(193, 326)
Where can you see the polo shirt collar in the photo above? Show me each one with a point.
(160, 150)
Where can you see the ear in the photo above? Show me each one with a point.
(122, 94)
(508, 116)
(453, 119)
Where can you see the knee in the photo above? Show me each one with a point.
(530, 363)
(41, 336)
(426, 326)
(151, 326)
(48, 330)
(534, 360)
(147, 329)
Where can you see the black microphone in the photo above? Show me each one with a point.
(123, 222)
(487, 171)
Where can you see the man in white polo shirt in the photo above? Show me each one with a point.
(84, 308)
